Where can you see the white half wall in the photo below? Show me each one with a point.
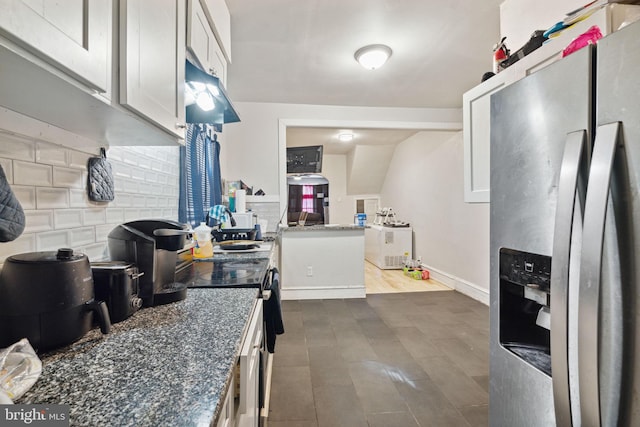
(424, 185)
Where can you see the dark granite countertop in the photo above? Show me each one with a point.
(164, 366)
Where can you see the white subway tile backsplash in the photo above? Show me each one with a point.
(38, 220)
(120, 169)
(67, 218)
(131, 214)
(82, 236)
(78, 198)
(115, 215)
(7, 167)
(150, 176)
(132, 160)
(95, 252)
(115, 153)
(25, 195)
(32, 174)
(52, 240)
(66, 177)
(14, 147)
(102, 231)
(123, 200)
(137, 173)
(148, 213)
(79, 160)
(144, 162)
(51, 198)
(131, 186)
(51, 154)
(25, 243)
(94, 216)
(139, 201)
(49, 180)
(157, 189)
(145, 188)
(118, 184)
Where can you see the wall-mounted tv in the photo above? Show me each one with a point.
(304, 159)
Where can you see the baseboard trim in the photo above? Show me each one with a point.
(322, 293)
(471, 290)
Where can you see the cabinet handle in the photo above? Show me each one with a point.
(213, 71)
(181, 125)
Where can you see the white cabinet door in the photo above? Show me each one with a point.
(476, 118)
(225, 419)
(248, 409)
(152, 61)
(203, 44)
(220, 19)
(72, 35)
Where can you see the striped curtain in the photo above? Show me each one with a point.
(200, 180)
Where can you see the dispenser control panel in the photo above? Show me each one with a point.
(525, 269)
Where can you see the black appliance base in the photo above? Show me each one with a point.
(170, 296)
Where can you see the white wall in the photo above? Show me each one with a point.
(520, 18)
(251, 148)
(424, 185)
(49, 179)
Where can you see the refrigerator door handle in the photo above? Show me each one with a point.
(569, 186)
(590, 271)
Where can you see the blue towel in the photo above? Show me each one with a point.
(219, 213)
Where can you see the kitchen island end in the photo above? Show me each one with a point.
(322, 261)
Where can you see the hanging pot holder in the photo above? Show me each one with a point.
(100, 185)
(12, 219)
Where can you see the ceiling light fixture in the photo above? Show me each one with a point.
(373, 56)
(345, 137)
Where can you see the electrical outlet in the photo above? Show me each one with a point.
(309, 271)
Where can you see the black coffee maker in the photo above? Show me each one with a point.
(152, 245)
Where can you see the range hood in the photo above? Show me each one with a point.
(206, 99)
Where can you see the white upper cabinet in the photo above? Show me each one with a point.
(476, 104)
(72, 35)
(476, 117)
(202, 42)
(152, 61)
(220, 18)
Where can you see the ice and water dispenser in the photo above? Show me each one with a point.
(525, 320)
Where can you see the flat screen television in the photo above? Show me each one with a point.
(304, 159)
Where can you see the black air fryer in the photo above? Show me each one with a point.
(48, 298)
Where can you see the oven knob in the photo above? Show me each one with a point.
(136, 303)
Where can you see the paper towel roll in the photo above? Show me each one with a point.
(241, 201)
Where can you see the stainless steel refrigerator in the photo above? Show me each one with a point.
(565, 241)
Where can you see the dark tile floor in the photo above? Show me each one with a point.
(404, 359)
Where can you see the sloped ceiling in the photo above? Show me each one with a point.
(367, 168)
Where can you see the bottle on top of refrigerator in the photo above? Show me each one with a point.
(204, 247)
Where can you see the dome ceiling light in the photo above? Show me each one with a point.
(345, 137)
(373, 56)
